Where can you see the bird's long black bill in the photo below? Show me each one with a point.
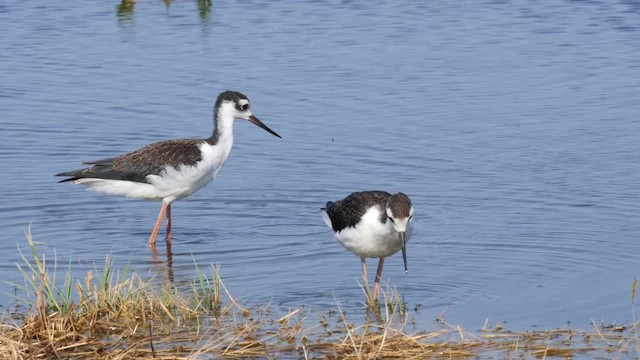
(256, 121)
(403, 244)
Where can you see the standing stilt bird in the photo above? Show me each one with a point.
(372, 224)
(173, 169)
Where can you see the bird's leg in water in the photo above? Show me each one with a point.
(169, 224)
(154, 233)
(376, 283)
(367, 291)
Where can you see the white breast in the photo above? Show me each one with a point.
(177, 183)
(370, 237)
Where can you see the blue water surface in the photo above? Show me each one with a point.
(513, 126)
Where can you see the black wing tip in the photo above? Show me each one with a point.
(69, 179)
(70, 176)
(328, 205)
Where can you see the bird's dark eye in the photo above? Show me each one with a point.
(244, 107)
(391, 219)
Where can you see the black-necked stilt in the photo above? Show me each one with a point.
(173, 169)
(372, 224)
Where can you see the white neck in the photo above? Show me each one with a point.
(223, 125)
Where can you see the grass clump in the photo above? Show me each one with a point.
(116, 314)
(108, 311)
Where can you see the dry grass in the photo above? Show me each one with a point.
(117, 315)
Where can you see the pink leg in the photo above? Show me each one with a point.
(364, 272)
(376, 283)
(169, 224)
(154, 233)
(367, 292)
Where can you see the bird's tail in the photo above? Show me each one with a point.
(329, 204)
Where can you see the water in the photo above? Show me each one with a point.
(512, 125)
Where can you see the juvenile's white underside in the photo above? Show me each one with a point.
(370, 237)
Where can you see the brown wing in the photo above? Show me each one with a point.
(138, 164)
(347, 212)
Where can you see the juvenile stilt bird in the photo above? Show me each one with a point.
(173, 169)
(372, 224)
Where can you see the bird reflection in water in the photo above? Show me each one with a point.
(159, 262)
